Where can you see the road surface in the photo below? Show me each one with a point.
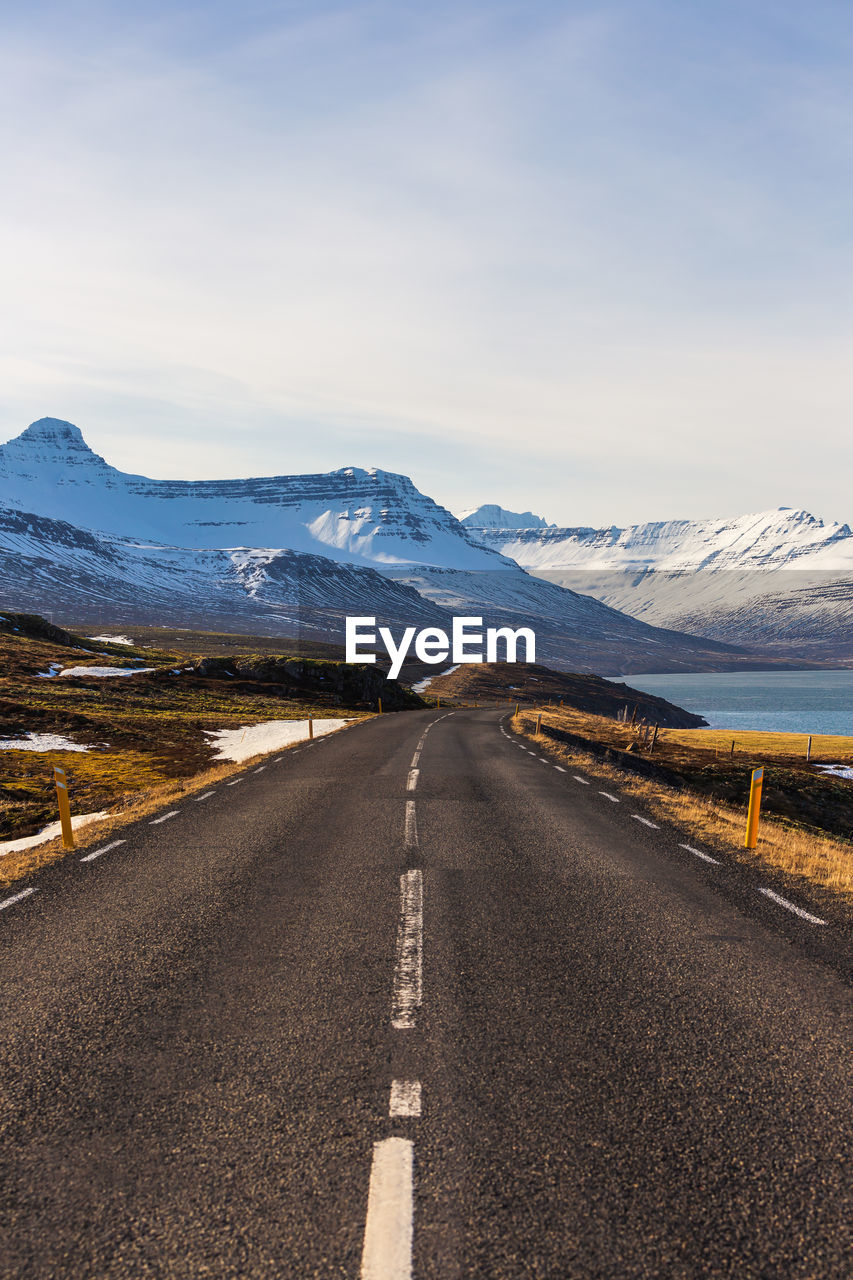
(412, 1000)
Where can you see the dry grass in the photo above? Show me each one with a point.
(821, 859)
(759, 745)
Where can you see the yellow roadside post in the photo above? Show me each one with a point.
(61, 783)
(310, 727)
(438, 704)
(379, 700)
(754, 808)
(516, 708)
(538, 724)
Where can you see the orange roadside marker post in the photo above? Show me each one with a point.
(754, 808)
(61, 783)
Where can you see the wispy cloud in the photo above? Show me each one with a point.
(536, 253)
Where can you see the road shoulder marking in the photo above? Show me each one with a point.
(16, 897)
(791, 906)
(706, 857)
(90, 857)
(173, 813)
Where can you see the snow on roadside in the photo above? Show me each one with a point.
(427, 681)
(111, 639)
(41, 742)
(105, 672)
(255, 739)
(49, 833)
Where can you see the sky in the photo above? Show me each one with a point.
(592, 260)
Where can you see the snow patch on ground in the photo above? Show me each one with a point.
(427, 681)
(53, 670)
(106, 672)
(111, 639)
(256, 739)
(48, 833)
(836, 770)
(41, 742)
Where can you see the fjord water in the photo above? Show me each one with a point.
(782, 701)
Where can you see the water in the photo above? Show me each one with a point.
(781, 701)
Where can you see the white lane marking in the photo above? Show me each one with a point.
(234, 783)
(173, 813)
(405, 1098)
(544, 759)
(790, 906)
(645, 821)
(559, 768)
(388, 1229)
(411, 826)
(263, 766)
(206, 796)
(90, 857)
(608, 796)
(706, 857)
(582, 781)
(412, 782)
(415, 758)
(16, 897)
(408, 971)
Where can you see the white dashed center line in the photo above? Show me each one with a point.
(173, 813)
(90, 857)
(405, 1098)
(706, 857)
(645, 821)
(206, 796)
(234, 783)
(790, 906)
(582, 781)
(408, 972)
(411, 826)
(412, 782)
(559, 768)
(608, 796)
(387, 1253)
(16, 897)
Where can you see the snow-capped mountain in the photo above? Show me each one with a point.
(355, 516)
(491, 517)
(281, 555)
(780, 578)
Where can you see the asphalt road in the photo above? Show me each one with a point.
(344, 1018)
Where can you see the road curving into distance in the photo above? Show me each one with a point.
(414, 999)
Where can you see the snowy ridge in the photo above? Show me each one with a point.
(491, 517)
(779, 580)
(352, 515)
(285, 555)
(784, 538)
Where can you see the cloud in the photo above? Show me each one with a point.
(565, 246)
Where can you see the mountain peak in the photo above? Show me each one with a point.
(54, 430)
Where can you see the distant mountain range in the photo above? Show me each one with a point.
(285, 555)
(779, 580)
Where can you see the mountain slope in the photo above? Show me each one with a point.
(354, 516)
(781, 580)
(282, 554)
